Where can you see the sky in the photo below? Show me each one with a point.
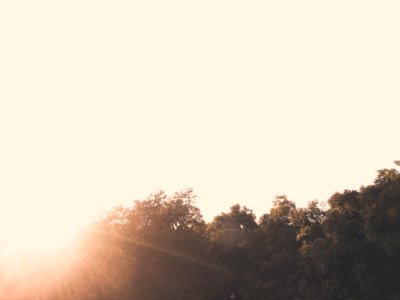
(103, 102)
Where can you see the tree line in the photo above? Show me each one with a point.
(161, 248)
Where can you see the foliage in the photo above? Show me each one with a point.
(161, 248)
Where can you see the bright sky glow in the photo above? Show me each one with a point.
(103, 102)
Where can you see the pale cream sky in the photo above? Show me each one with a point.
(103, 102)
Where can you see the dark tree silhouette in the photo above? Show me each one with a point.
(161, 248)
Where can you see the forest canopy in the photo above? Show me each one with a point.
(161, 248)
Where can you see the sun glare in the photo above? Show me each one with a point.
(37, 239)
(42, 234)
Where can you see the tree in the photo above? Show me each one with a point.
(161, 248)
(229, 235)
(381, 211)
(274, 252)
